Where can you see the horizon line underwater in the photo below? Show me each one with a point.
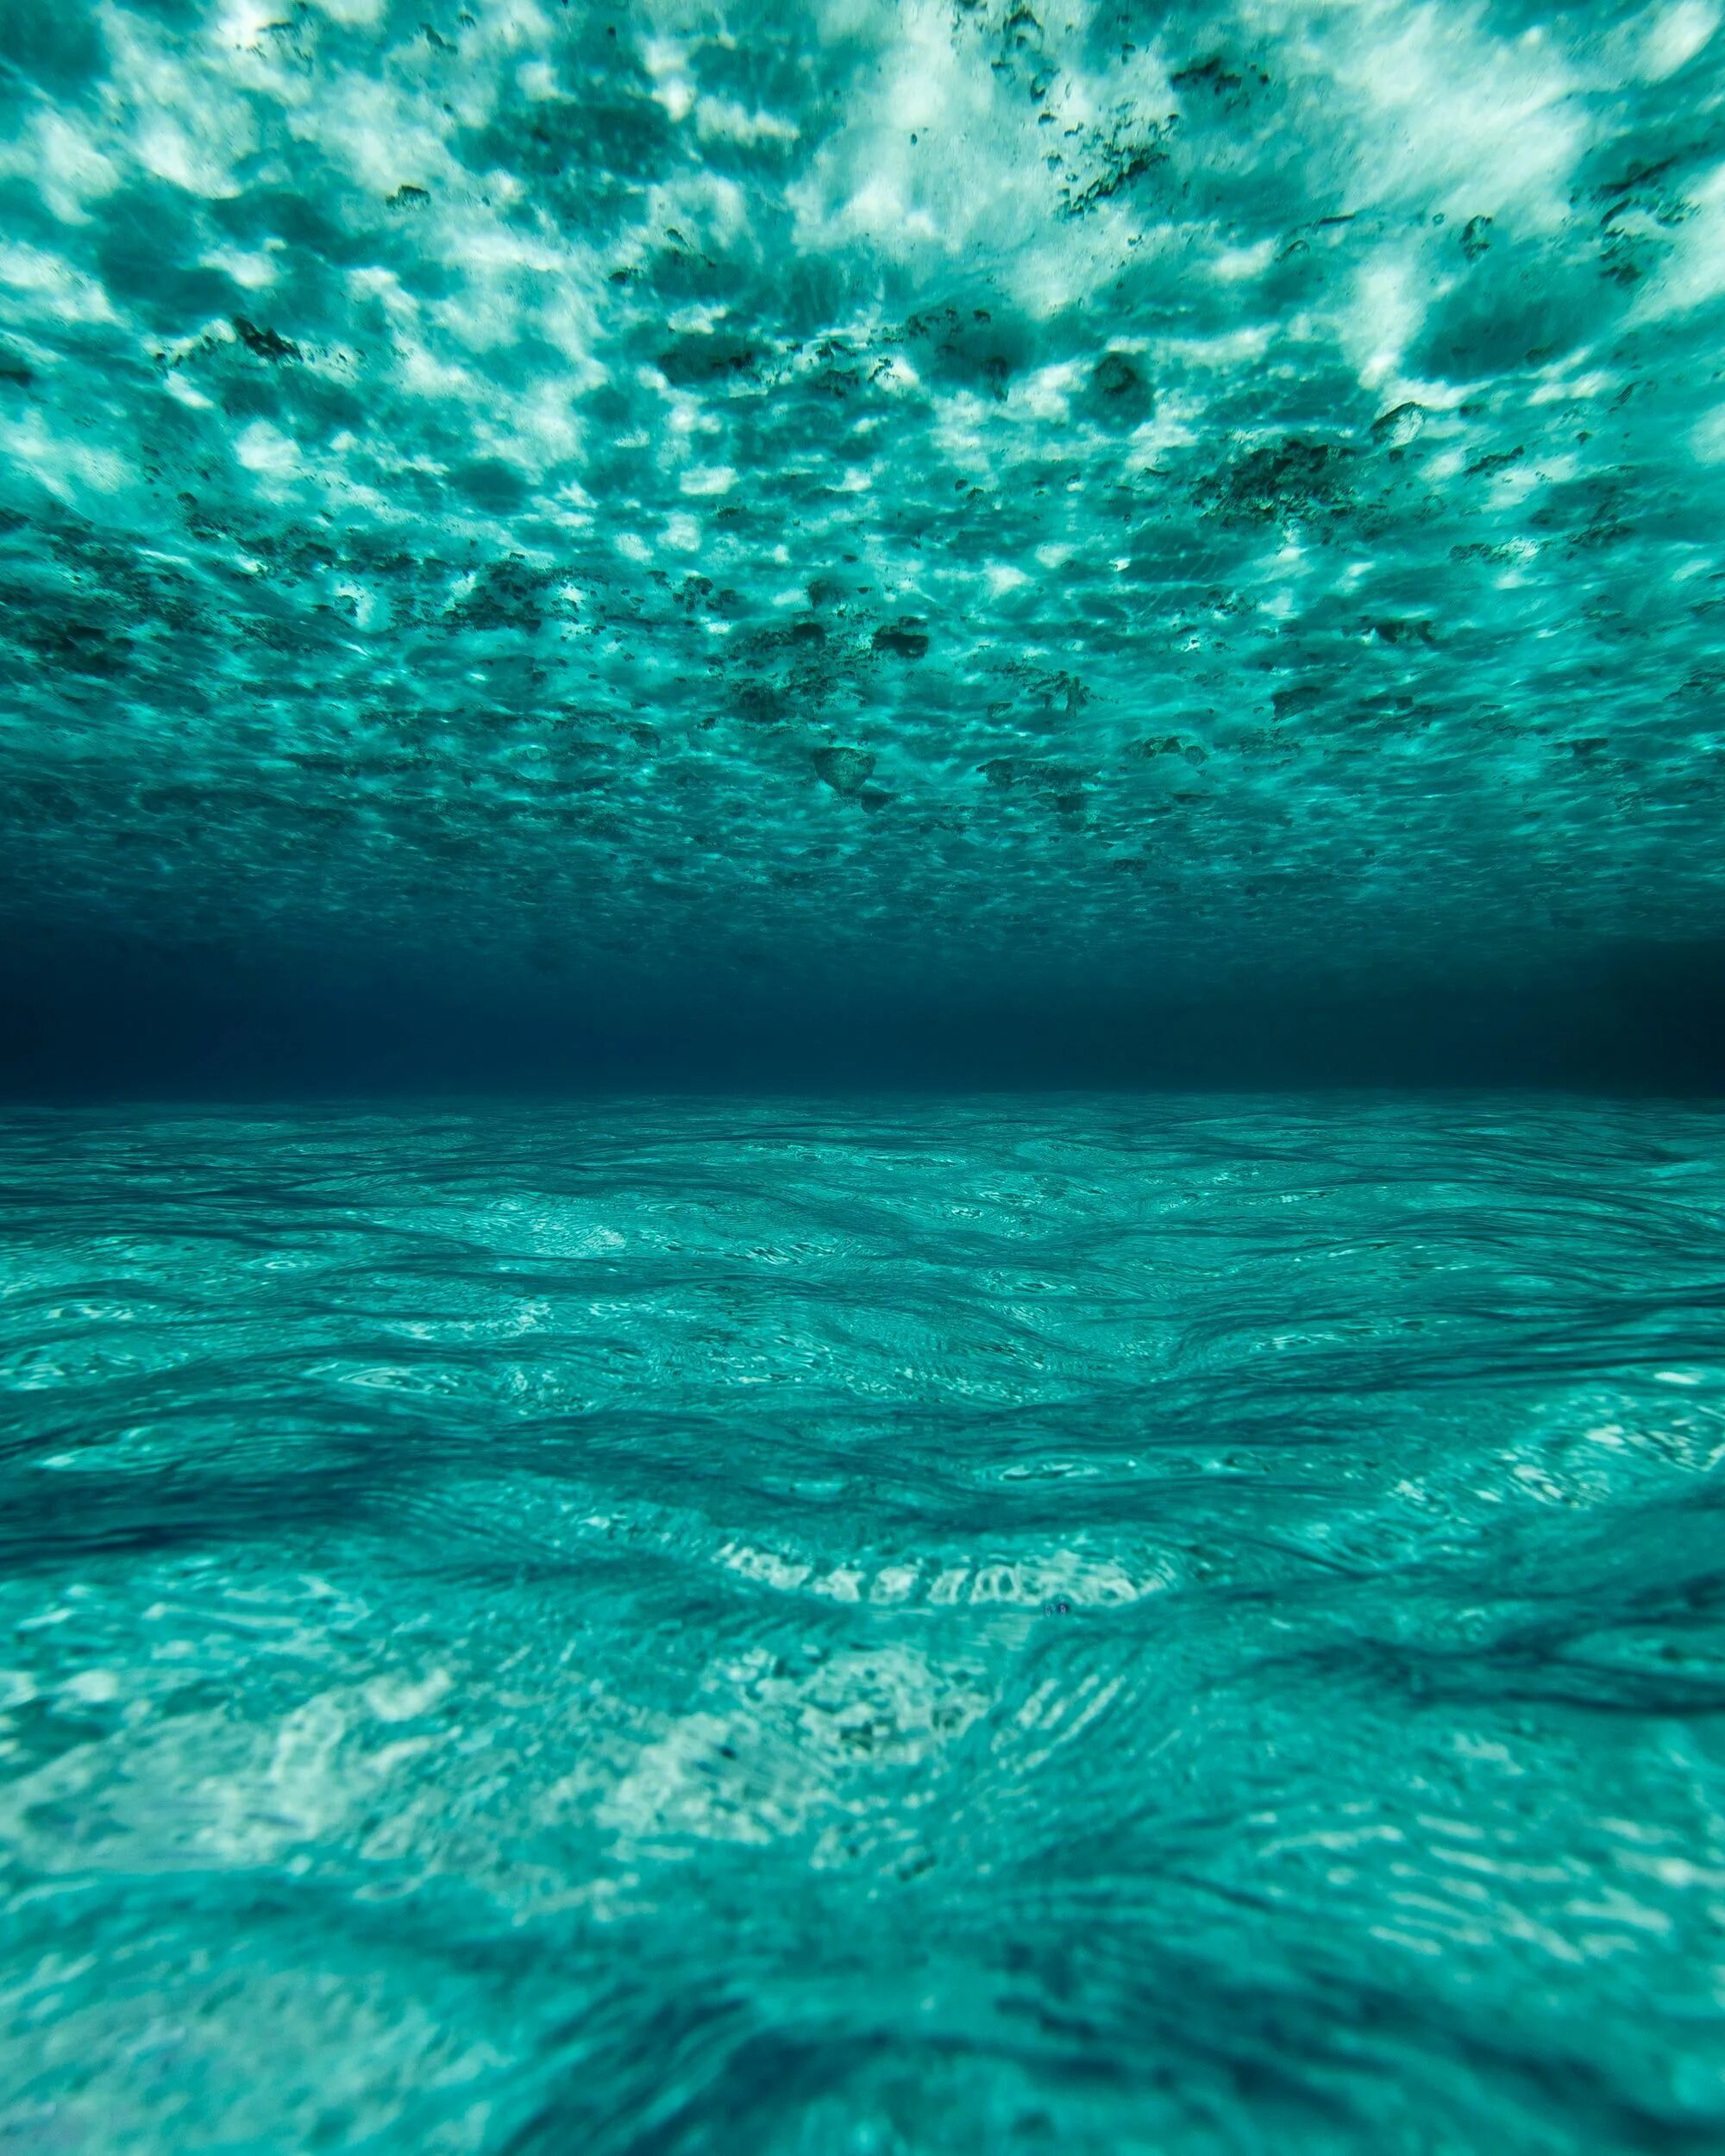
(862, 1078)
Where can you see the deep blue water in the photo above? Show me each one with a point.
(1003, 1624)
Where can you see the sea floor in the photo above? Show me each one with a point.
(1087, 1625)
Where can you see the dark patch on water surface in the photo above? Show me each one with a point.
(264, 343)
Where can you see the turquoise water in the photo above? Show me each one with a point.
(1002, 1625)
(766, 636)
(663, 508)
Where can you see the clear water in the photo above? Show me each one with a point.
(663, 508)
(1001, 1625)
(593, 557)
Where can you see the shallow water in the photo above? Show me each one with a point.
(945, 543)
(1091, 1623)
(619, 516)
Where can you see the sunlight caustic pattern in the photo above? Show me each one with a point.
(1002, 1627)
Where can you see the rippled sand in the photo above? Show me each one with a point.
(1015, 1625)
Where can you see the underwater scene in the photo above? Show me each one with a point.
(862, 1077)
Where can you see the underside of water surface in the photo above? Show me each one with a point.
(597, 537)
(862, 1021)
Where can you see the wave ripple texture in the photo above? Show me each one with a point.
(557, 508)
(1009, 1625)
